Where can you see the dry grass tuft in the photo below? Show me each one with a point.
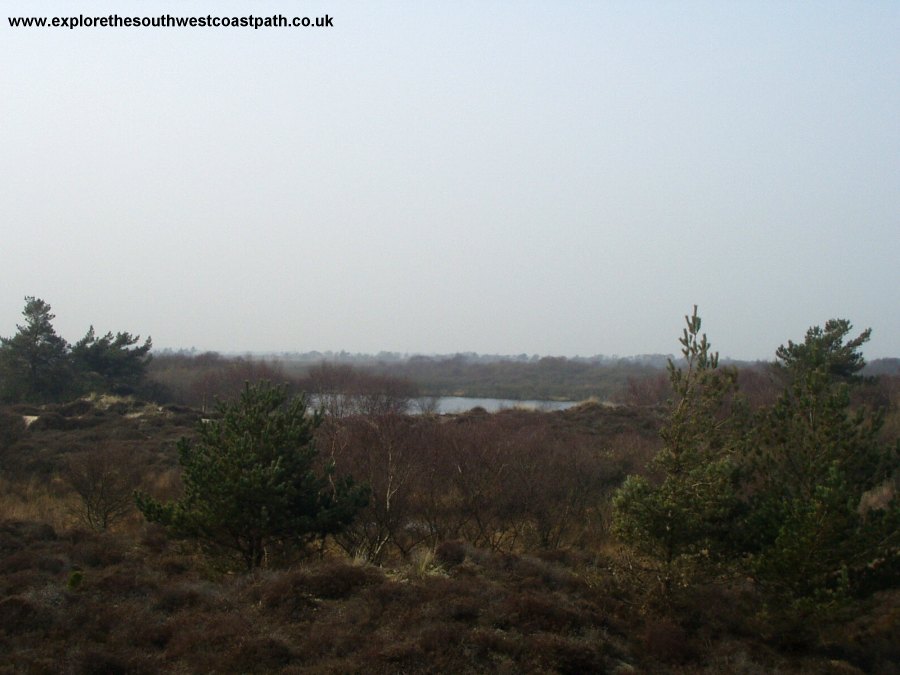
(38, 501)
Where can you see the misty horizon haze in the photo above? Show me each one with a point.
(516, 178)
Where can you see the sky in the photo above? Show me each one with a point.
(564, 178)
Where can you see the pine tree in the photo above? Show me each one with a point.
(34, 363)
(813, 541)
(825, 350)
(251, 485)
(684, 520)
(112, 363)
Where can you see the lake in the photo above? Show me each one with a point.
(458, 404)
(449, 405)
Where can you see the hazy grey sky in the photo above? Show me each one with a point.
(502, 177)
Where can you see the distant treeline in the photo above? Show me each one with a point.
(389, 358)
(39, 366)
(198, 379)
(547, 378)
(465, 374)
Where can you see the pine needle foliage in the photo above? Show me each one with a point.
(252, 485)
(683, 521)
(813, 462)
(34, 363)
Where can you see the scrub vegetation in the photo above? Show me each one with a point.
(718, 519)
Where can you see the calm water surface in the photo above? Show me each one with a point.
(458, 404)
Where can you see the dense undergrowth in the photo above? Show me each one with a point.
(465, 579)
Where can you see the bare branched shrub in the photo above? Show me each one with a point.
(105, 480)
(759, 386)
(646, 390)
(503, 482)
(382, 452)
(200, 380)
(426, 405)
(344, 391)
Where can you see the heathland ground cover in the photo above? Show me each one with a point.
(716, 520)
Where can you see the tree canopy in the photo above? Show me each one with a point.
(34, 362)
(111, 362)
(825, 350)
(252, 485)
(784, 499)
(39, 366)
(813, 460)
(688, 512)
